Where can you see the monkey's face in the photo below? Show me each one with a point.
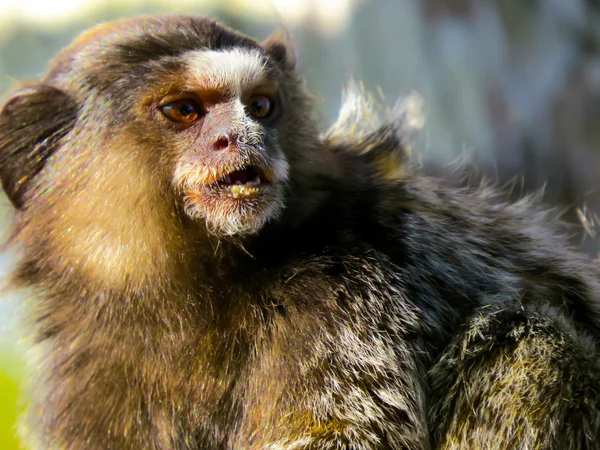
(218, 119)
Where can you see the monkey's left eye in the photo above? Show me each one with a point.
(185, 110)
(260, 106)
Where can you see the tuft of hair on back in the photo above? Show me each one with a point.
(374, 140)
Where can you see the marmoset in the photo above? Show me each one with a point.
(206, 271)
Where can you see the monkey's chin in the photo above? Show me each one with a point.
(235, 210)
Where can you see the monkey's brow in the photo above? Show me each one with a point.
(230, 71)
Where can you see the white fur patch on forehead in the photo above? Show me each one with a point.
(231, 71)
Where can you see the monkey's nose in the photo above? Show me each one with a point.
(221, 143)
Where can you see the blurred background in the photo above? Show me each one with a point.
(511, 86)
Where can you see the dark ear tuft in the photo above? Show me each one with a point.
(32, 123)
(280, 48)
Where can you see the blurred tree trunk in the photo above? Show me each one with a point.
(515, 84)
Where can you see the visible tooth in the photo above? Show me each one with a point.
(254, 182)
(238, 183)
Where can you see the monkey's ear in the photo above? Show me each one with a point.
(32, 123)
(280, 48)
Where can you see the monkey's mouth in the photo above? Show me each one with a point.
(235, 198)
(245, 182)
(249, 176)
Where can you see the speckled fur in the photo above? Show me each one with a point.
(382, 311)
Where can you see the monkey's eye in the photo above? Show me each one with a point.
(259, 106)
(184, 110)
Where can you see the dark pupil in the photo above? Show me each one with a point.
(259, 106)
(185, 110)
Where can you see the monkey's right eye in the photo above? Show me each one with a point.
(184, 110)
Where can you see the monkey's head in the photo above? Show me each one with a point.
(160, 115)
(148, 134)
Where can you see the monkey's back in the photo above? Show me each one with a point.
(433, 316)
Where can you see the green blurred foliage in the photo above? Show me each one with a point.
(10, 367)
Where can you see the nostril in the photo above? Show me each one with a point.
(222, 143)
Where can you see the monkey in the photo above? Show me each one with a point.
(205, 269)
